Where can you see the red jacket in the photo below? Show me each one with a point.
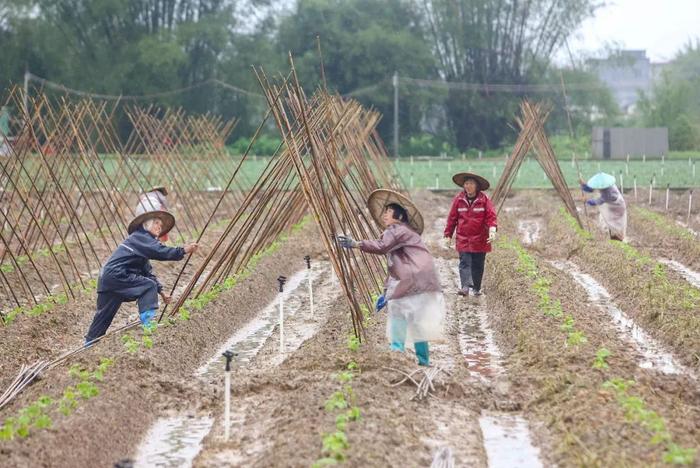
(472, 222)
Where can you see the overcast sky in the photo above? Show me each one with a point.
(661, 27)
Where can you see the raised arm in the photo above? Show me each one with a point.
(389, 241)
(152, 249)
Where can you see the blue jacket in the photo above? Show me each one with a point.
(131, 259)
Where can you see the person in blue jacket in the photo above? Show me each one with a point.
(128, 275)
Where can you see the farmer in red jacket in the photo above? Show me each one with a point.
(473, 216)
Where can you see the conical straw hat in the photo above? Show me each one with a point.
(380, 198)
(601, 181)
(167, 219)
(460, 177)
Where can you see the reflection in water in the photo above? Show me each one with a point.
(173, 442)
(507, 441)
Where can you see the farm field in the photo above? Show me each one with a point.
(222, 234)
(210, 174)
(437, 173)
(584, 352)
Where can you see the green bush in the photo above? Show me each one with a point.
(426, 144)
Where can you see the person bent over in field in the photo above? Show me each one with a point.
(128, 275)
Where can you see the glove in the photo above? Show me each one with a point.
(492, 234)
(347, 242)
(591, 202)
(146, 316)
(381, 303)
(446, 242)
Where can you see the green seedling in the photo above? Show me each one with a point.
(345, 376)
(7, 430)
(68, 403)
(130, 344)
(636, 411)
(353, 343)
(353, 366)
(147, 341)
(576, 338)
(78, 372)
(334, 444)
(99, 373)
(600, 358)
(184, 313)
(568, 325)
(336, 401)
(676, 455)
(87, 390)
(353, 414)
(341, 421)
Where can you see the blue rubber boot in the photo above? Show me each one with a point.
(397, 346)
(146, 316)
(397, 328)
(422, 352)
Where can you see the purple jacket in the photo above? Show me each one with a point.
(411, 266)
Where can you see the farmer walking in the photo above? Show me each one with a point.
(611, 205)
(412, 294)
(473, 217)
(128, 276)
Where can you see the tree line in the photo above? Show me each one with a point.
(138, 47)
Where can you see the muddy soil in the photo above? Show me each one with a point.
(64, 326)
(394, 429)
(278, 407)
(658, 298)
(561, 387)
(142, 386)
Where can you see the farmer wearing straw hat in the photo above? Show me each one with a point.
(153, 199)
(612, 206)
(128, 276)
(473, 217)
(416, 307)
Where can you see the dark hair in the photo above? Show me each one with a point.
(399, 212)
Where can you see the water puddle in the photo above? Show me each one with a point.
(506, 436)
(249, 340)
(507, 441)
(173, 442)
(691, 276)
(654, 356)
(176, 441)
(475, 338)
(530, 230)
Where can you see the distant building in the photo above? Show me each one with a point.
(627, 73)
(617, 143)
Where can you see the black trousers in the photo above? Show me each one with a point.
(140, 289)
(471, 269)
